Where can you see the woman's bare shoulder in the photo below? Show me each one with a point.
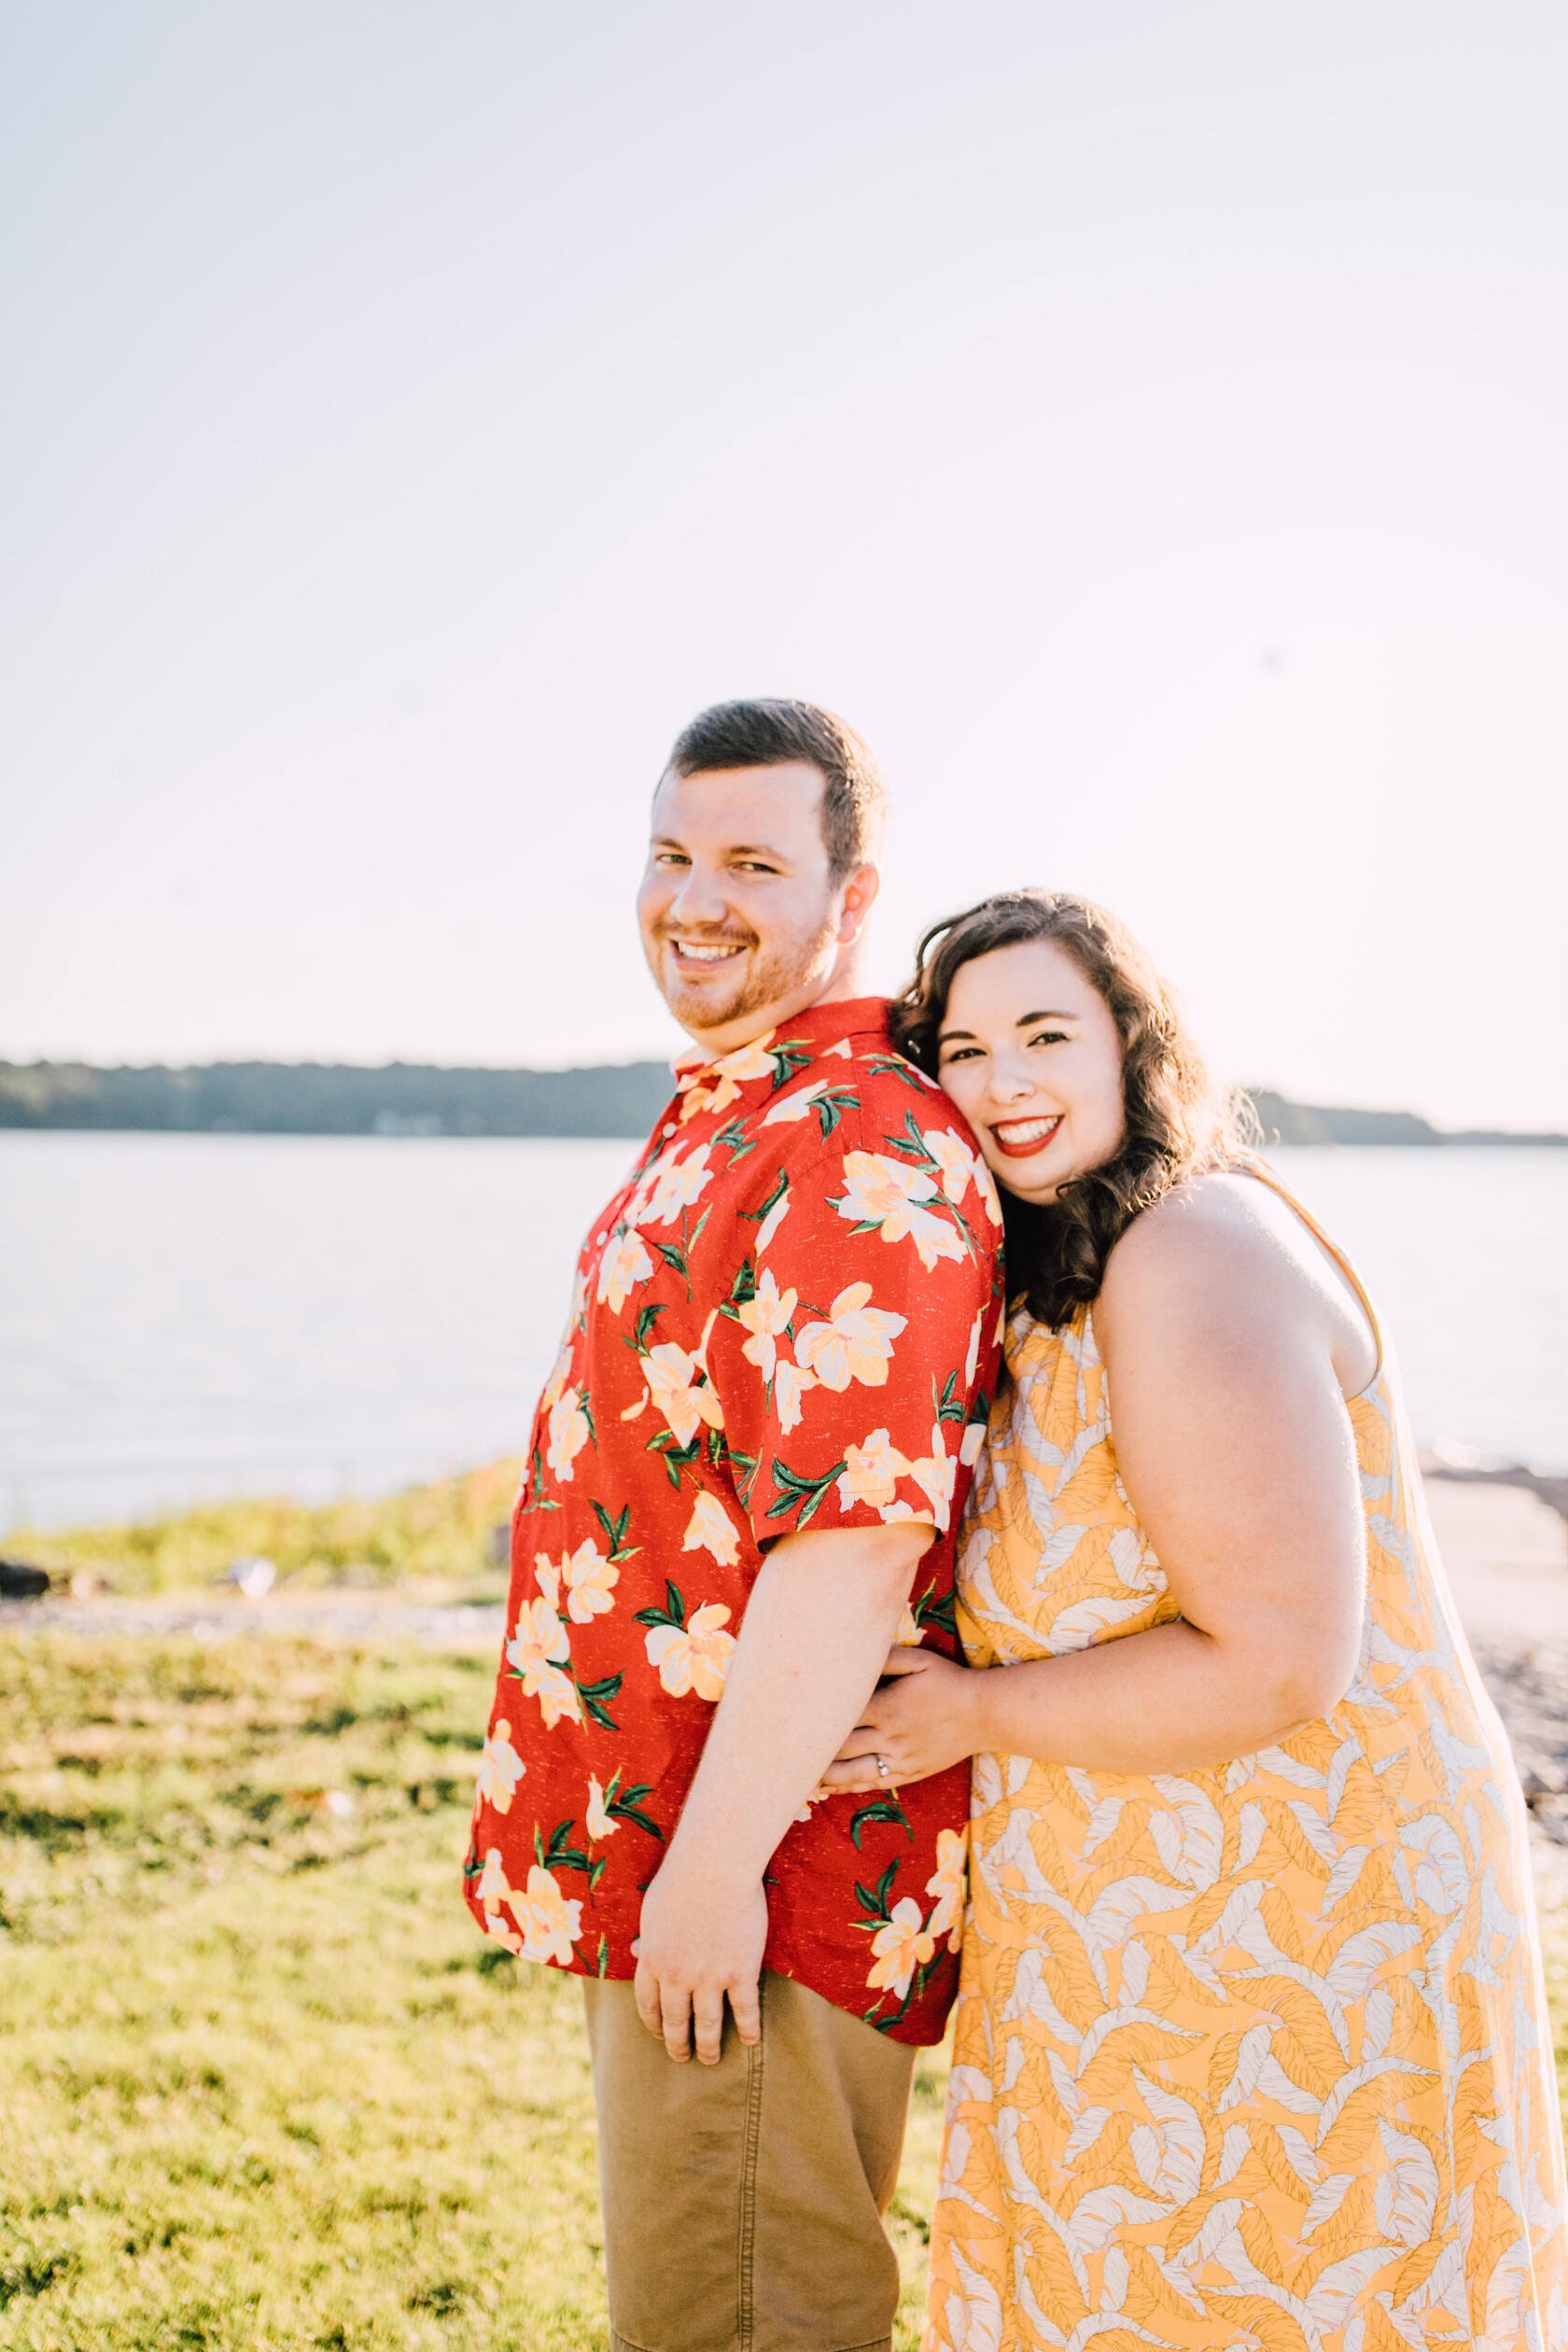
(1207, 1251)
(1225, 1257)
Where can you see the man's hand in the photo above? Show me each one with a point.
(822, 1611)
(701, 1943)
(919, 1720)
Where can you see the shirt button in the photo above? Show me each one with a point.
(602, 1238)
(669, 1127)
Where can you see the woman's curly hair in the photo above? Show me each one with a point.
(1176, 1124)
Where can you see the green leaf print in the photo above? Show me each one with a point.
(626, 1805)
(673, 1612)
(879, 1809)
(748, 1466)
(938, 1610)
(536, 1499)
(760, 1216)
(912, 1144)
(947, 1406)
(737, 1139)
(873, 1899)
(744, 1288)
(615, 1532)
(792, 1053)
(646, 1316)
(805, 1495)
(830, 1107)
(675, 1258)
(596, 1697)
(678, 1255)
(560, 1853)
(604, 1957)
(894, 1066)
(676, 1457)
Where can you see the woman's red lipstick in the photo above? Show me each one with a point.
(1034, 1142)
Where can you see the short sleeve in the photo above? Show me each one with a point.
(846, 1356)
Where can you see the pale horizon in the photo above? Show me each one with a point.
(1145, 424)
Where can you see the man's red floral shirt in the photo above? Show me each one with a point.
(787, 1317)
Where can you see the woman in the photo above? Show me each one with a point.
(1252, 2044)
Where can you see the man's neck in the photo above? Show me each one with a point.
(844, 982)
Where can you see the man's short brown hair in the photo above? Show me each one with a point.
(769, 733)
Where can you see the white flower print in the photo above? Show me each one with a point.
(766, 1317)
(711, 1529)
(855, 1342)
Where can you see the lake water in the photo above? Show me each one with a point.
(188, 1317)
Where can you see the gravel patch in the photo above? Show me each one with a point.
(364, 1619)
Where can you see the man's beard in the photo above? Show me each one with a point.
(782, 970)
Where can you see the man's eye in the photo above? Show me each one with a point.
(670, 856)
(754, 865)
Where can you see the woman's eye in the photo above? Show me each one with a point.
(960, 1052)
(1049, 1037)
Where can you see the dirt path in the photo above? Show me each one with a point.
(363, 1617)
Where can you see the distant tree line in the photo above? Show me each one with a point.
(412, 1099)
(328, 1098)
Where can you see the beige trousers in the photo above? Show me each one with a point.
(743, 2202)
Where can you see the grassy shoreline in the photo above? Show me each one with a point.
(437, 1534)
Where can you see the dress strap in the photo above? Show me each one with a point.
(1251, 1164)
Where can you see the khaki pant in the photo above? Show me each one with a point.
(743, 2202)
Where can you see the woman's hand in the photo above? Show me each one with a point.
(920, 1718)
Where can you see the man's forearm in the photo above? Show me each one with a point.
(818, 1628)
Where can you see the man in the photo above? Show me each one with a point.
(743, 1480)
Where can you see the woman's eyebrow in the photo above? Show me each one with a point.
(1025, 1019)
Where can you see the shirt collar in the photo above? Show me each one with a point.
(816, 1029)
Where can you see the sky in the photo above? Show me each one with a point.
(1144, 423)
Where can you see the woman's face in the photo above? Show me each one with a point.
(1029, 1053)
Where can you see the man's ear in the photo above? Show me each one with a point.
(860, 897)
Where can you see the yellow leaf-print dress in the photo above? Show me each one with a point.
(1252, 2059)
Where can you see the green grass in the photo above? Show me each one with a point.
(264, 2083)
(264, 2086)
(437, 1533)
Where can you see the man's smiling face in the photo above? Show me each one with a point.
(742, 921)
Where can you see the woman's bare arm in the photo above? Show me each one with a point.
(1237, 1453)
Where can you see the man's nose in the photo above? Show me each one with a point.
(700, 898)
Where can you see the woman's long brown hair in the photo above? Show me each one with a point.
(1176, 1124)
